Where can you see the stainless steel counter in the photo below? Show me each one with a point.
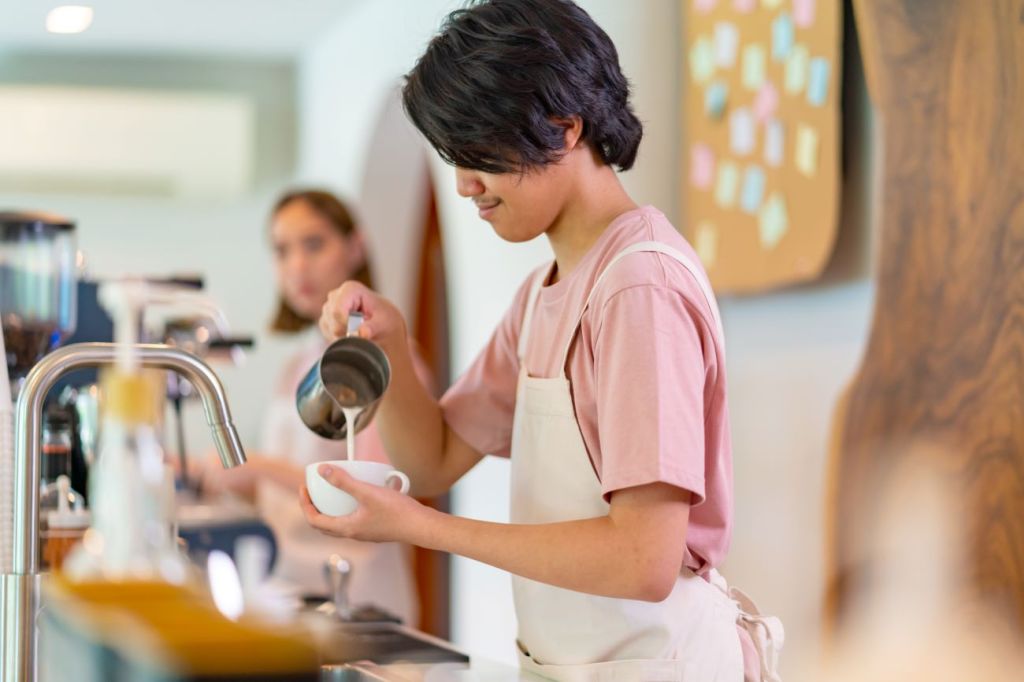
(474, 671)
(412, 656)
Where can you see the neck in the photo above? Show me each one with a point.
(598, 199)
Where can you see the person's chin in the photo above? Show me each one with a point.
(513, 235)
(509, 233)
(307, 308)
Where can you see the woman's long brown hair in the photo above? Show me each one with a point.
(334, 210)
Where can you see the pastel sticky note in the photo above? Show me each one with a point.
(774, 143)
(715, 99)
(753, 66)
(807, 150)
(725, 187)
(702, 60)
(727, 39)
(741, 131)
(803, 12)
(766, 102)
(702, 166)
(782, 37)
(704, 6)
(796, 70)
(772, 221)
(817, 81)
(705, 243)
(753, 189)
(744, 6)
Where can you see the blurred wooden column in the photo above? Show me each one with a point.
(430, 329)
(945, 356)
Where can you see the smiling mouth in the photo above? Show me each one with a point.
(487, 205)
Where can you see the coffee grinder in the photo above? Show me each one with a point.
(38, 277)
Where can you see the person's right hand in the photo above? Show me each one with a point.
(382, 321)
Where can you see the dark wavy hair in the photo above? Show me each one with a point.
(488, 90)
(330, 207)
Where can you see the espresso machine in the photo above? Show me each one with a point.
(38, 305)
(38, 277)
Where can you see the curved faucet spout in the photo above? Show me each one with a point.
(18, 626)
(28, 425)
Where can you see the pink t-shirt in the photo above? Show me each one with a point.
(647, 375)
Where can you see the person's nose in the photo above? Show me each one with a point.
(296, 263)
(468, 183)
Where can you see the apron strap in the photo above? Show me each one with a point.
(766, 632)
(531, 302)
(648, 247)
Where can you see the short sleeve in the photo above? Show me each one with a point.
(650, 372)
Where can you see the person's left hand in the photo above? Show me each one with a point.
(383, 514)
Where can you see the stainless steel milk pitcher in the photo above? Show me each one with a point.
(352, 373)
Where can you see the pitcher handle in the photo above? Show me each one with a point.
(355, 321)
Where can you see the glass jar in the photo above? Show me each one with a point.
(56, 445)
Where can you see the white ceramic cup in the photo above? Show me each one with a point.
(331, 501)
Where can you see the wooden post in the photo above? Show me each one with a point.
(945, 357)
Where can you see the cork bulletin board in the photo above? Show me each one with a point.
(761, 138)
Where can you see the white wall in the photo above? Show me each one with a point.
(790, 353)
(345, 78)
(225, 240)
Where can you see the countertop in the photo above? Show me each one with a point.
(476, 671)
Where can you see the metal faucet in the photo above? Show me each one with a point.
(338, 572)
(19, 589)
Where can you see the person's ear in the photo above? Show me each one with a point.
(572, 130)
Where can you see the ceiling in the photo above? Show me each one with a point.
(242, 28)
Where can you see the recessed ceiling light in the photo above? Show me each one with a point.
(68, 19)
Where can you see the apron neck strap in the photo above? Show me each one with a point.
(531, 303)
(643, 247)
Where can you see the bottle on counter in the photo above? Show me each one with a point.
(130, 488)
(132, 533)
(56, 451)
(64, 526)
(62, 514)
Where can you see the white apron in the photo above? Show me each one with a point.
(566, 635)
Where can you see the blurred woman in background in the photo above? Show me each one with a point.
(317, 246)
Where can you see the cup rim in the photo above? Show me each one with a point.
(344, 463)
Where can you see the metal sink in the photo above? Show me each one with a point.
(384, 643)
(347, 673)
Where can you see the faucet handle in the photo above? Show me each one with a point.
(338, 572)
